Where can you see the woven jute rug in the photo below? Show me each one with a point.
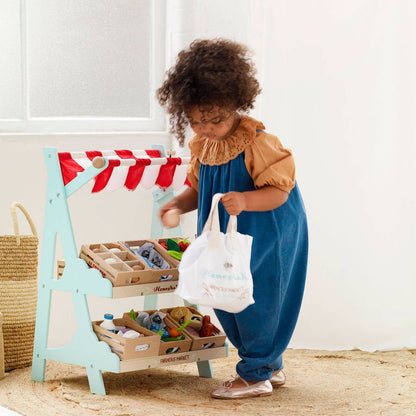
(320, 383)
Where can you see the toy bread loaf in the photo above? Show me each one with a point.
(182, 314)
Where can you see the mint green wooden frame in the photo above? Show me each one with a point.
(84, 349)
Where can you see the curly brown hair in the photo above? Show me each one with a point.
(210, 72)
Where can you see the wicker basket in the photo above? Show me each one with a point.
(18, 292)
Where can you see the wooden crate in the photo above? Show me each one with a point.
(127, 348)
(168, 347)
(199, 343)
(169, 259)
(122, 267)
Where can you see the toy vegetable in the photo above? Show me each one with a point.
(175, 248)
(177, 332)
(132, 314)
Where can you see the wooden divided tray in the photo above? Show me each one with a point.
(149, 351)
(123, 267)
(126, 348)
(199, 343)
(166, 347)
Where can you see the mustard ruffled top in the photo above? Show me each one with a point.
(266, 160)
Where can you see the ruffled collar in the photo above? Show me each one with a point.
(217, 152)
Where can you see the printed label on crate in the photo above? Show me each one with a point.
(142, 347)
(173, 359)
(92, 264)
(169, 288)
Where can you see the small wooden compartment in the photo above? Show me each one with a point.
(200, 343)
(127, 348)
(165, 241)
(123, 267)
(162, 273)
(166, 347)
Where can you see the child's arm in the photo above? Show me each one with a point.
(263, 199)
(184, 202)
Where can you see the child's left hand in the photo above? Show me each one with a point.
(234, 202)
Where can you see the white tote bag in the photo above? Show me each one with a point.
(215, 269)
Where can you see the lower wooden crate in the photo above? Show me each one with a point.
(127, 348)
(200, 343)
(172, 359)
(168, 347)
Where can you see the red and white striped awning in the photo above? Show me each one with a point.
(127, 168)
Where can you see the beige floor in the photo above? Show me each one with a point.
(320, 383)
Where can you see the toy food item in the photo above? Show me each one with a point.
(172, 245)
(183, 245)
(153, 322)
(175, 254)
(175, 247)
(177, 332)
(171, 218)
(183, 314)
(131, 334)
(179, 313)
(207, 329)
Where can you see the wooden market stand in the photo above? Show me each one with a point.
(85, 349)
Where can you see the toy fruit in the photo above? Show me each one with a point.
(175, 248)
(163, 244)
(183, 245)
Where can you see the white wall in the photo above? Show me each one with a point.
(339, 90)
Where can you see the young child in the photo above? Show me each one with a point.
(210, 88)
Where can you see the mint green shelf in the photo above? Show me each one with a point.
(84, 349)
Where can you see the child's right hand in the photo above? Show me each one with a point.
(185, 202)
(166, 220)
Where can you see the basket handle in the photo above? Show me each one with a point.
(15, 223)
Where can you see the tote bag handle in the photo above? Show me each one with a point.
(213, 224)
(15, 223)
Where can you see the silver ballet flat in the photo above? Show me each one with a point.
(278, 378)
(226, 391)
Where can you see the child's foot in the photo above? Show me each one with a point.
(278, 378)
(238, 388)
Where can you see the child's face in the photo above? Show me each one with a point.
(212, 122)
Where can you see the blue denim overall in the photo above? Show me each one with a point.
(262, 331)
